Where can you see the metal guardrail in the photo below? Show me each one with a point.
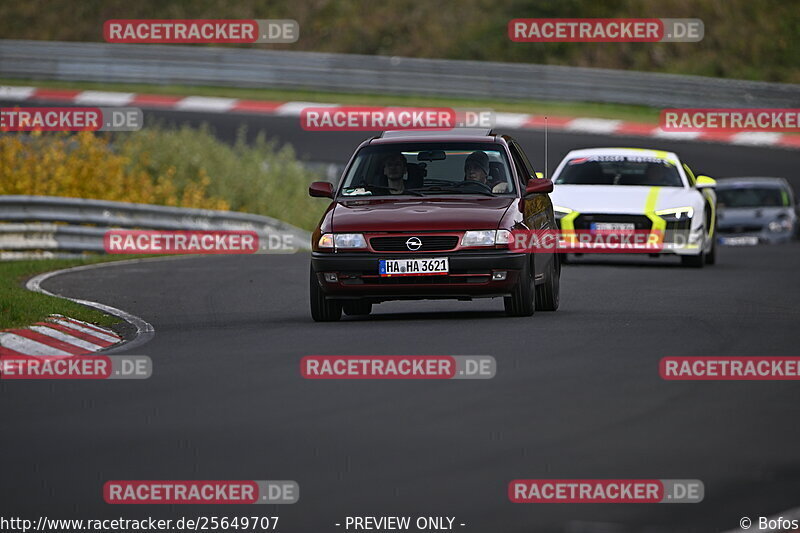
(244, 67)
(46, 225)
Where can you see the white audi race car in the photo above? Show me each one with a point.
(622, 189)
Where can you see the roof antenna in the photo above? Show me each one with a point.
(545, 147)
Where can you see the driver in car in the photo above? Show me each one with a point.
(476, 168)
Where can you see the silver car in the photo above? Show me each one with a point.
(755, 210)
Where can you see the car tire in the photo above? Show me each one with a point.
(357, 308)
(547, 294)
(322, 309)
(693, 261)
(522, 301)
(711, 256)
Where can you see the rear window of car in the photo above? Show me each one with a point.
(620, 170)
(430, 168)
(753, 197)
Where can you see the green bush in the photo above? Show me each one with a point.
(184, 167)
(257, 177)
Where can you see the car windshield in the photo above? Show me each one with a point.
(753, 197)
(423, 169)
(620, 170)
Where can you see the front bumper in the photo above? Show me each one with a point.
(471, 276)
(682, 248)
(675, 236)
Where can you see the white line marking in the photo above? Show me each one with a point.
(593, 125)
(28, 346)
(88, 325)
(677, 135)
(144, 330)
(511, 120)
(16, 93)
(756, 137)
(294, 108)
(86, 330)
(203, 103)
(75, 341)
(103, 98)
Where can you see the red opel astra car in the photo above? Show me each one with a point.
(430, 215)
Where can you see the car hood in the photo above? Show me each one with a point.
(419, 214)
(623, 199)
(749, 216)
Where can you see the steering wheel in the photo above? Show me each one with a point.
(466, 183)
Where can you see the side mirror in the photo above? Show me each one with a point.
(704, 182)
(321, 189)
(540, 175)
(539, 186)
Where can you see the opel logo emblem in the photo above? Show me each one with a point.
(414, 244)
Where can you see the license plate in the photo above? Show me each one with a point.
(422, 266)
(746, 240)
(612, 226)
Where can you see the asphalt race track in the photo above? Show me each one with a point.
(714, 159)
(577, 392)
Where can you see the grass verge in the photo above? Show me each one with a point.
(567, 109)
(20, 307)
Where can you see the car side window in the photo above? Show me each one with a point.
(523, 172)
(525, 161)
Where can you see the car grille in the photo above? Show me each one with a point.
(680, 225)
(430, 243)
(677, 231)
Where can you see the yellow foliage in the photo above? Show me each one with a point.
(86, 166)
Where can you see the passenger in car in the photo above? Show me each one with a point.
(476, 168)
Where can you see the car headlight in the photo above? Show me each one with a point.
(561, 212)
(783, 223)
(676, 213)
(486, 237)
(346, 241)
(503, 237)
